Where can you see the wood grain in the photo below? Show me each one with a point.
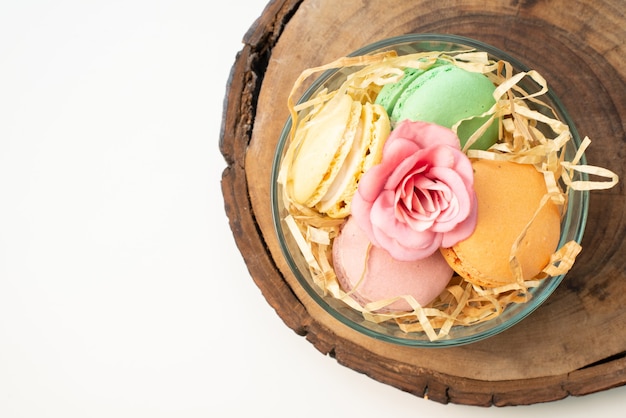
(575, 343)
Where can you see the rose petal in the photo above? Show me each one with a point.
(386, 227)
(460, 201)
(440, 156)
(400, 251)
(373, 181)
(425, 135)
(397, 149)
(463, 230)
(405, 167)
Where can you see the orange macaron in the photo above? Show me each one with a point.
(515, 235)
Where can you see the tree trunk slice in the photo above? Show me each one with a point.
(574, 344)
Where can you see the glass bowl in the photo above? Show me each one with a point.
(572, 226)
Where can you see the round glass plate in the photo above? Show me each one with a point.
(572, 226)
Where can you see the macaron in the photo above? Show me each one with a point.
(369, 274)
(390, 93)
(444, 95)
(336, 146)
(508, 195)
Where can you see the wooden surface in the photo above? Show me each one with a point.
(575, 344)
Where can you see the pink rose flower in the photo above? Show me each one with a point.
(421, 196)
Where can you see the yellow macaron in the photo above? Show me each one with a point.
(335, 147)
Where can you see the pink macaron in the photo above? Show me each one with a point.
(385, 277)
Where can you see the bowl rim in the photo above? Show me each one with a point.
(530, 306)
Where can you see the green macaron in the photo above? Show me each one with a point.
(443, 94)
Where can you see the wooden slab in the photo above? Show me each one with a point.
(575, 344)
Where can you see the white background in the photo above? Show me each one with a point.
(120, 282)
